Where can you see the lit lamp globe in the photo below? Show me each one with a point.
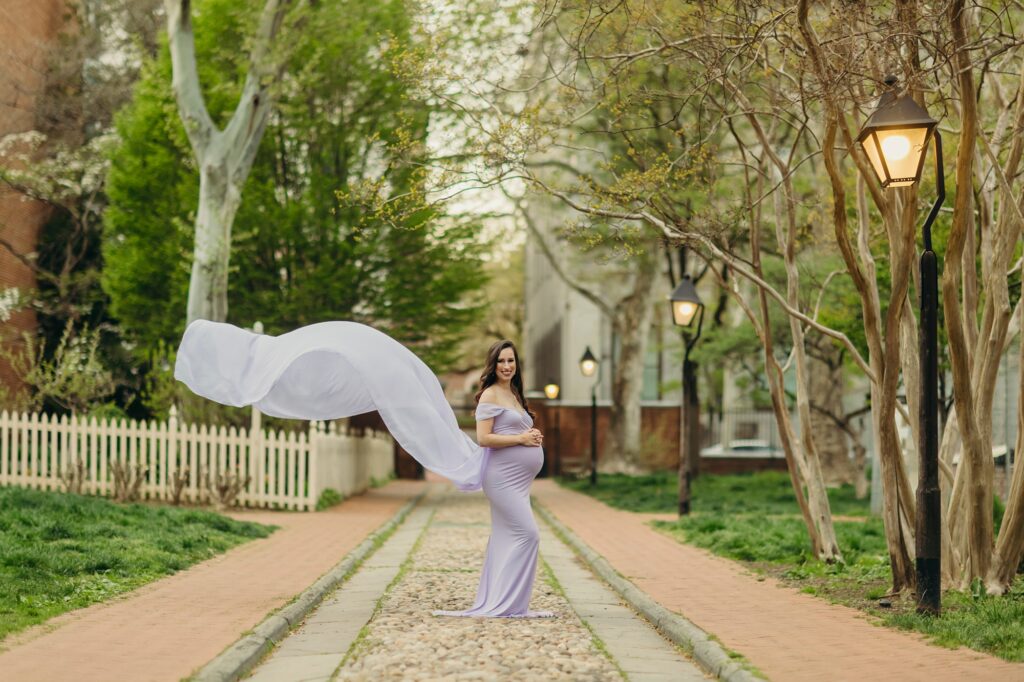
(895, 138)
(551, 390)
(685, 302)
(588, 363)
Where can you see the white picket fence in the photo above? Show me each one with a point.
(287, 471)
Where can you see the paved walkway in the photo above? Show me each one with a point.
(168, 629)
(788, 635)
(433, 562)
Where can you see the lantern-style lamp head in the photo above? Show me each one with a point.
(685, 302)
(551, 390)
(895, 138)
(588, 363)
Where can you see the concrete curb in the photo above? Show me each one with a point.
(706, 651)
(239, 658)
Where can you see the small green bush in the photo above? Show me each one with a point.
(328, 498)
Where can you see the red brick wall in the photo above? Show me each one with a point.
(567, 436)
(28, 28)
(567, 433)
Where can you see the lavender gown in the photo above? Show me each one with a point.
(510, 565)
(331, 370)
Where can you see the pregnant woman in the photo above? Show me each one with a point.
(332, 370)
(512, 459)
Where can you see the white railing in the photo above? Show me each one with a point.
(284, 471)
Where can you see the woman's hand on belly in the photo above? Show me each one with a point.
(532, 438)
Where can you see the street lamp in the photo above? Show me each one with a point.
(588, 367)
(685, 302)
(686, 306)
(588, 363)
(551, 390)
(895, 139)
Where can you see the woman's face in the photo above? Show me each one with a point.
(506, 365)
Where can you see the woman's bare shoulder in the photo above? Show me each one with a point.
(489, 395)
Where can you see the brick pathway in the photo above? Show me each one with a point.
(168, 629)
(788, 635)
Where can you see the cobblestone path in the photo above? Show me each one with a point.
(433, 562)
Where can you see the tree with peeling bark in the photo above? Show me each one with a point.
(753, 109)
(225, 155)
(624, 292)
(944, 50)
(667, 171)
(505, 136)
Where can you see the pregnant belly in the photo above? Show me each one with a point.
(515, 465)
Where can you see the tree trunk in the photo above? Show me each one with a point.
(225, 156)
(826, 394)
(208, 284)
(976, 459)
(632, 324)
(817, 497)
(1010, 545)
(883, 349)
(898, 519)
(861, 484)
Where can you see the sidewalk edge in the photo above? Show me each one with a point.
(239, 658)
(682, 632)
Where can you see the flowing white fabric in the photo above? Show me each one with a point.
(332, 370)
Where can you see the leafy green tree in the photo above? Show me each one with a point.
(303, 250)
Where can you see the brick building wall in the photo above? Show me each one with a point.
(567, 440)
(28, 29)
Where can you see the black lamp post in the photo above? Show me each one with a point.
(687, 306)
(895, 139)
(588, 367)
(551, 391)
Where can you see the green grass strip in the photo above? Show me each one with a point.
(754, 519)
(60, 552)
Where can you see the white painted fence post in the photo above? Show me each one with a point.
(171, 449)
(256, 458)
(5, 429)
(315, 444)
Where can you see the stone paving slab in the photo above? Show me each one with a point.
(787, 635)
(314, 650)
(166, 630)
(643, 654)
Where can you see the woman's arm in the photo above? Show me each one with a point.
(488, 439)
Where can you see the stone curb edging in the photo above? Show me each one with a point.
(707, 652)
(239, 658)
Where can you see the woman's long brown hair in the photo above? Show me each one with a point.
(490, 375)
